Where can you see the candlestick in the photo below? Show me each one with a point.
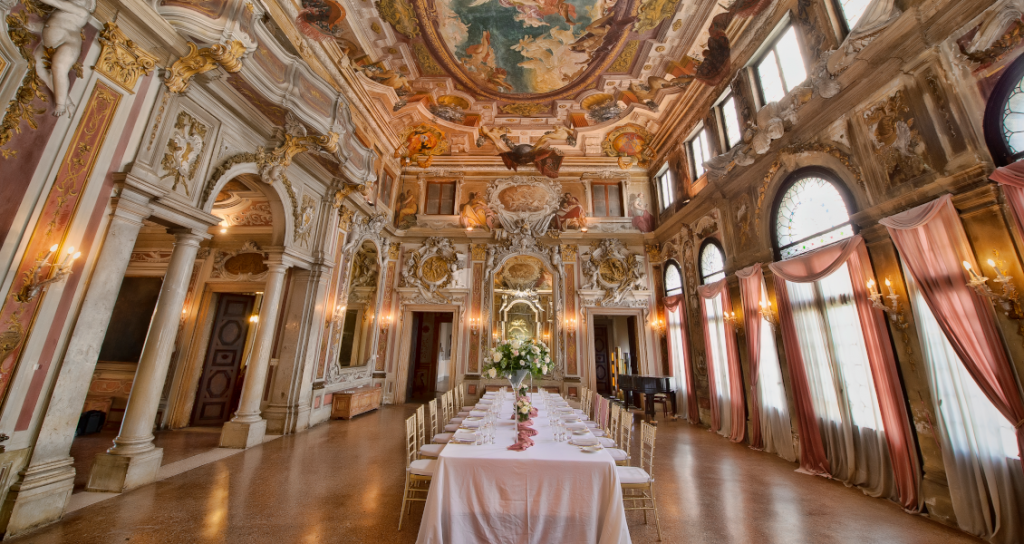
(53, 249)
(995, 266)
(888, 284)
(970, 270)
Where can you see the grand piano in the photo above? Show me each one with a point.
(634, 386)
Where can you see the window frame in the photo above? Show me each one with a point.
(709, 241)
(688, 145)
(791, 180)
(769, 45)
(992, 121)
(594, 184)
(720, 113)
(440, 184)
(663, 187)
(664, 278)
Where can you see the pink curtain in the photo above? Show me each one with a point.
(675, 304)
(739, 413)
(932, 242)
(900, 440)
(1011, 177)
(751, 281)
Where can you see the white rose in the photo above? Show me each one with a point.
(516, 344)
(492, 373)
(544, 369)
(547, 359)
(496, 357)
(524, 410)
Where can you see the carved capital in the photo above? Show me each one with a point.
(200, 61)
(121, 60)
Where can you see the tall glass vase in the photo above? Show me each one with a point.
(515, 379)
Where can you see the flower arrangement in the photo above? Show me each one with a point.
(523, 409)
(510, 357)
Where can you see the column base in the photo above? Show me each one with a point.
(39, 498)
(243, 435)
(114, 473)
(284, 419)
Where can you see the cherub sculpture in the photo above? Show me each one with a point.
(547, 159)
(62, 36)
(645, 92)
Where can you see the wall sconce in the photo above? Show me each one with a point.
(474, 325)
(731, 319)
(570, 324)
(658, 325)
(1009, 299)
(339, 315)
(768, 314)
(254, 319)
(894, 310)
(36, 284)
(385, 322)
(224, 227)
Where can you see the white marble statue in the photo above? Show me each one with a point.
(62, 32)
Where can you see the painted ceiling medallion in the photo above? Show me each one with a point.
(527, 51)
(630, 144)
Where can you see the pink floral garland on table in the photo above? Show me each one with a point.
(523, 411)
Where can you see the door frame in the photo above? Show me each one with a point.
(644, 338)
(246, 350)
(405, 342)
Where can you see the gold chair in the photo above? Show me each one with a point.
(417, 472)
(638, 482)
(621, 454)
(426, 451)
(436, 437)
(611, 433)
(443, 436)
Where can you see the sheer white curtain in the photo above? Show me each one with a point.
(675, 343)
(719, 361)
(840, 382)
(776, 429)
(979, 449)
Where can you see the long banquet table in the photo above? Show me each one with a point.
(550, 493)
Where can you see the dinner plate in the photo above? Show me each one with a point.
(580, 431)
(591, 449)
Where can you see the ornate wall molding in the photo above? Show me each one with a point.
(431, 268)
(121, 60)
(199, 61)
(246, 263)
(522, 200)
(614, 269)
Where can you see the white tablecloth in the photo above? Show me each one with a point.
(552, 493)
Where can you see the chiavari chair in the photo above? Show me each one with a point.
(426, 451)
(611, 433)
(451, 423)
(417, 472)
(621, 454)
(638, 482)
(442, 437)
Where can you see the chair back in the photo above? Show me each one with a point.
(612, 431)
(410, 440)
(432, 408)
(648, 433)
(625, 430)
(446, 399)
(420, 428)
(460, 400)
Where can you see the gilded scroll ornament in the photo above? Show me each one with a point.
(21, 108)
(431, 268)
(401, 15)
(652, 12)
(199, 61)
(121, 60)
(183, 150)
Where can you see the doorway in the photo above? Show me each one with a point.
(430, 355)
(220, 385)
(615, 344)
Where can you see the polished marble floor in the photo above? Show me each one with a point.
(342, 482)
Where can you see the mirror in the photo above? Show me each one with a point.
(523, 300)
(362, 296)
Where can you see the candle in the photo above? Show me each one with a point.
(999, 273)
(888, 284)
(970, 269)
(67, 257)
(53, 249)
(871, 286)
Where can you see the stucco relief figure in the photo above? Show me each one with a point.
(62, 36)
(476, 213)
(642, 218)
(405, 217)
(545, 158)
(570, 214)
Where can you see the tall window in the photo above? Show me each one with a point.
(1004, 116)
(712, 262)
(719, 359)
(776, 429)
(673, 279)
(440, 198)
(666, 187)
(811, 213)
(731, 121)
(781, 68)
(697, 152)
(852, 10)
(607, 199)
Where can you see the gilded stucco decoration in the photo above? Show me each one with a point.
(420, 144)
(307, 214)
(247, 263)
(184, 148)
(630, 143)
(431, 268)
(368, 227)
(401, 15)
(895, 139)
(121, 60)
(652, 12)
(517, 200)
(199, 61)
(614, 269)
(21, 108)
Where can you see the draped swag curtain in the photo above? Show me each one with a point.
(1011, 177)
(932, 243)
(816, 267)
(769, 414)
(723, 361)
(679, 357)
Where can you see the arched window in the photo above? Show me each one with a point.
(811, 213)
(1004, 116)
(673, 279)
(712, 262)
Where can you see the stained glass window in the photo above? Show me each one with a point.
(1013, 119)
(812, 213)
(712, 263)
(673, 279)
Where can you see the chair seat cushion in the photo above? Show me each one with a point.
(591, 424)
(451, 427)
(597, 432)
(441, 438)
(431, 450)
(617, 454)
(633, 475)
(423, 467)
(606, 442)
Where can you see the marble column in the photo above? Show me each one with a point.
(134, 460)
(42, 491)
(248, 427)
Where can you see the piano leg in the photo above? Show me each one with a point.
(672, 399)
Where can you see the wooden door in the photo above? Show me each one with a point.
(424, 353)
(634, 354)
(602, 372)
(215, 398)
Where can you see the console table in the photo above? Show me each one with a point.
(352, 402)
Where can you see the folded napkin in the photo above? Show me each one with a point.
(485, 402)
(570, 418)
(575, 426)
(471, 424)
(524, 428)
(584, 441)
(522, 443)
(478, 413)
(464, 437)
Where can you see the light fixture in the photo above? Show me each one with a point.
(570, 323)
(386, 322)
(894, 310)
(223, 227)
(732, 320)
(1008, 300)
(254, 318)
(36, 284)
(768, 314)
(469, 228)
(474, 325)
(658, 325)
(339, 315)
(583, 229)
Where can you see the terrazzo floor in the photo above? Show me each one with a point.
(342, 482)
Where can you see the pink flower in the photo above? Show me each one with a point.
(515, 352)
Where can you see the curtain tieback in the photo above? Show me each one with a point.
(1019, 424)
